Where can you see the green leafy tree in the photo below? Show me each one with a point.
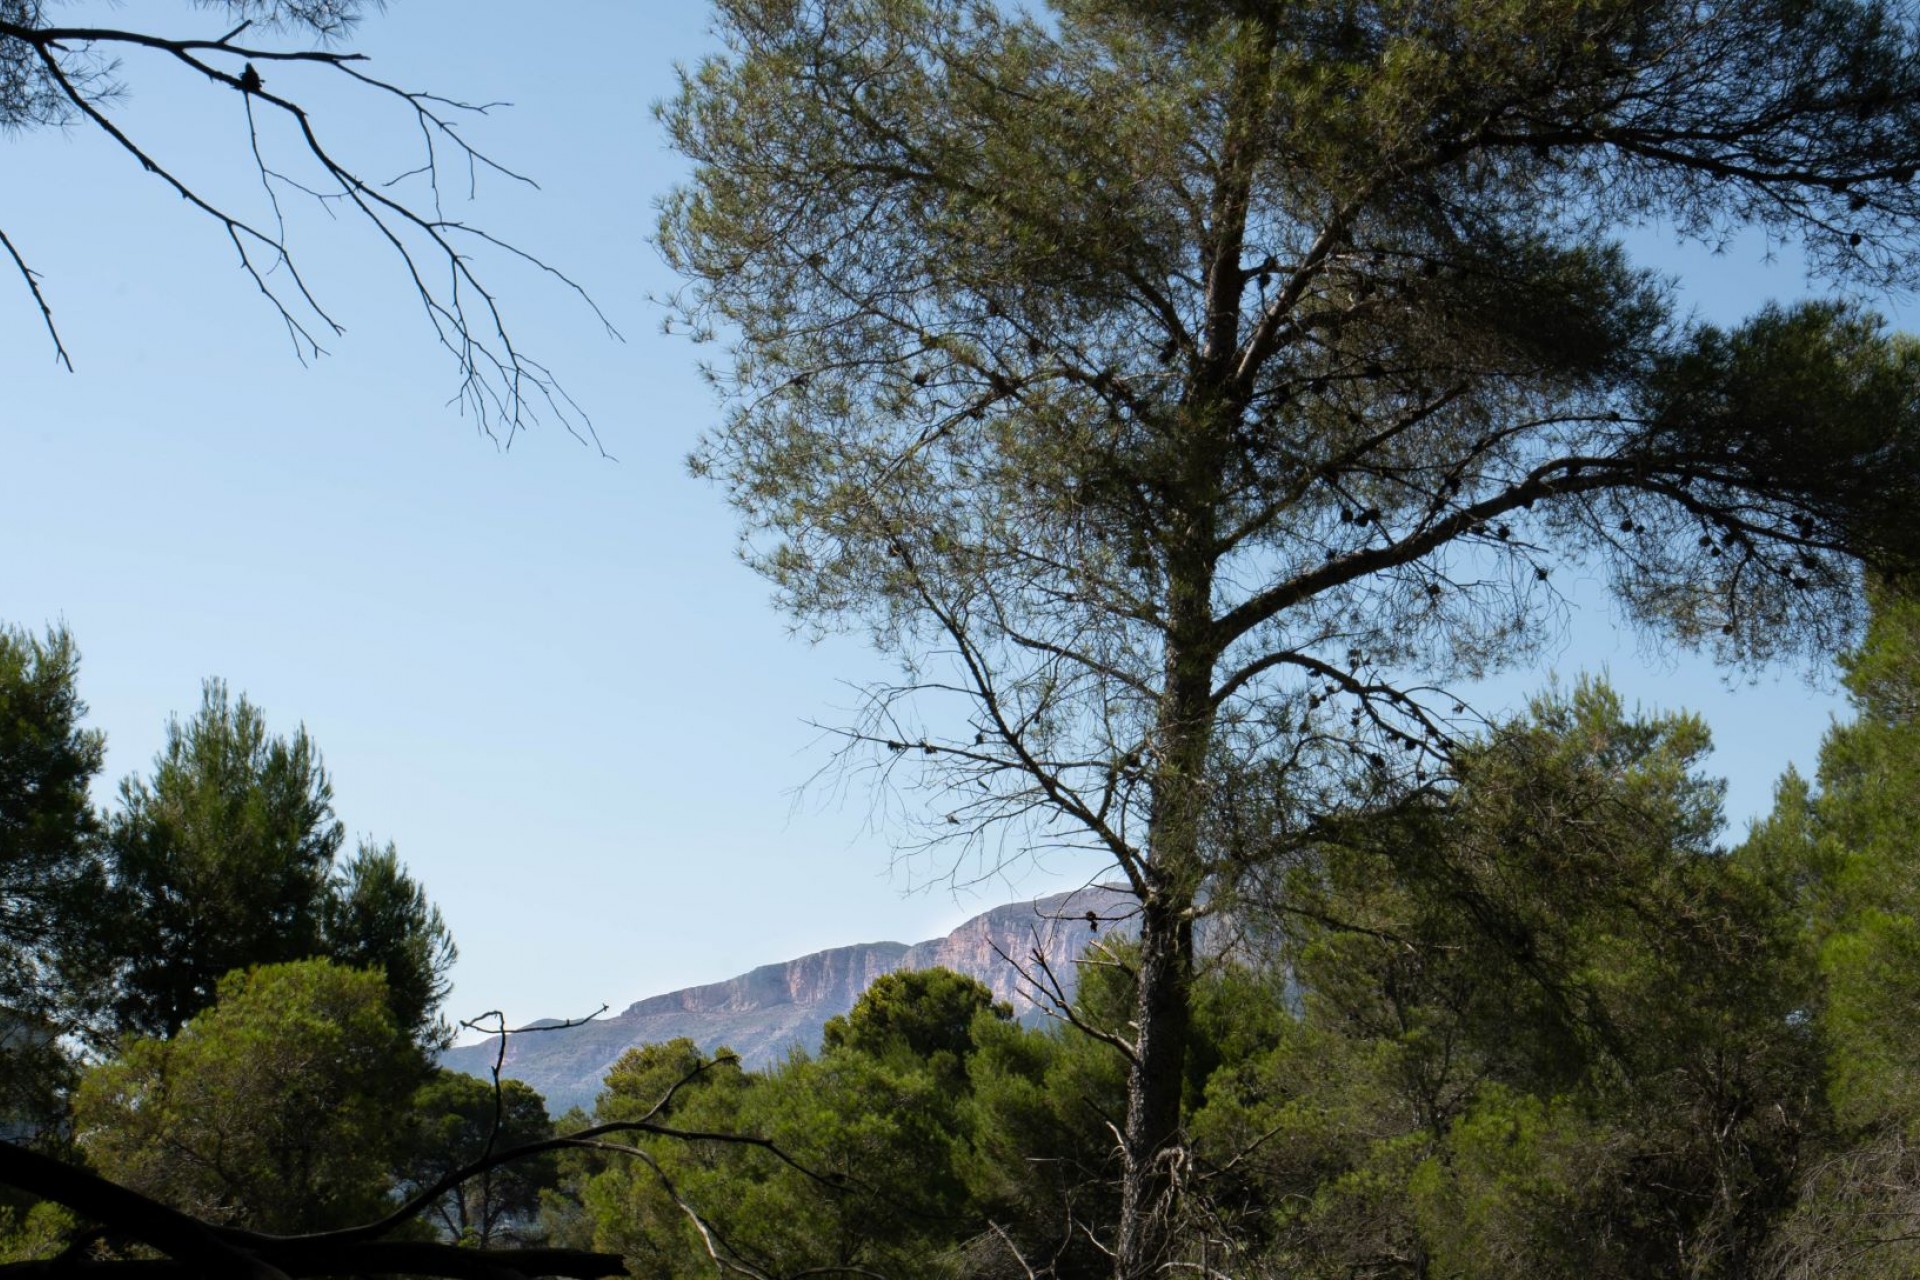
(1536, 1024)
(609, 1202)
(35, 1233)
(1040, 1162)
(453, 1121)
(1548, 1028)
(50, 874)
(1848, 849)
(880, 1139)
(1192, 391)
(922, 1012)
(871, 1162)
(863, 1179)
(277, 1109)
(377, 916)
(49, 865)
(1865, 850)
(221, 861)
(228, 857)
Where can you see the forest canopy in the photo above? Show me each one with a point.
(1550, 1027)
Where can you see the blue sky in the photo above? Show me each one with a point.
(543, 674)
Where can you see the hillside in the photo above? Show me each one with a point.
(765, 1012)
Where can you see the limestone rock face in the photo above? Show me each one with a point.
(837, 976)
(990, 946)
(766, 1012)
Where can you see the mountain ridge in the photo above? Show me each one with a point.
(769, 1010)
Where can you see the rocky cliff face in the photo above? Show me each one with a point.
(766, 1012)
(994, 947)
(835, 977)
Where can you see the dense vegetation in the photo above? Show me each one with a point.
(1193, 397)
(1538, 1022)
(1547, 1027)
(205, 997)
(1190, 396)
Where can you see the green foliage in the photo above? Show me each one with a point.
(277, 1108)
(1850, 850)
(452, 1121)
(50, 875)
(882, 1133)
(921, 1012)
(36, 1233)
(1884, 674)
(228, 857)
(220, 861)
(1816, 403)
(1546, 1028)
(1187, 393)
(1847, 850)
(375, 916)
(897, 1144)
(1533, 1023)
(1041, 1162)
(873, 1140)
(48, 865)
(620, 1202)
(268, 1086)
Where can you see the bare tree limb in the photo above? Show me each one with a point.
(500, 384)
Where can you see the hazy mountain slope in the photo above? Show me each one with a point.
(763, 1013)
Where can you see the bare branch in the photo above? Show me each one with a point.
(40, 300)
(500, 384)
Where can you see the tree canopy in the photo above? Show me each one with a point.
(48, 865)
(1541, 1026)
(455, 1120)
(376, 916)
(274, 1109)
(922, 1011)
(51, 876)
(1189, 394)
(229, 857)
(220, 861)
(1844, 848)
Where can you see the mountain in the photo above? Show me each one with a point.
(763, 1013)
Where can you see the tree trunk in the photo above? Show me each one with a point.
(1154, 1084)
(1154, 1147)
(1152, 1143)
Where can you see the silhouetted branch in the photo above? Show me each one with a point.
(503, 386)
(32, 278)
(198, 1248)
(1049, 995)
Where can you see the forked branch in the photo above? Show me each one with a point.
(69, 71)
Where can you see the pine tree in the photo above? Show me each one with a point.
(1186, 393)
